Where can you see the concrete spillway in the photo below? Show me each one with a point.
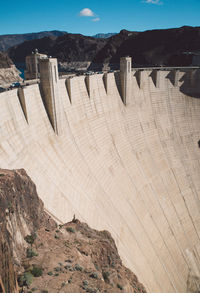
(132, 169)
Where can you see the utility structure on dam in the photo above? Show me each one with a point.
(120, 151)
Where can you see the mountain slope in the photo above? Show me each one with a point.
(68, 258)
(8, 71)
(161, 46)
(154, 47)
(7, 41)
(69, 47)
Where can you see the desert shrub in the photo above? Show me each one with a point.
(30, 253)
(56, 236)
(68, 260)
(70, 229)
(106, 276)
(30, 238)
(77, 267)
(63, 284)
(50, 273)
(37, 271)
(44, 291)
(119, 286)
(94, 275)
(25, 279)
(57, 269)
(67, 267)
(85, 283)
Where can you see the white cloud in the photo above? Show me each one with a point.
(86, 12)
(158, 2)
(96, 19)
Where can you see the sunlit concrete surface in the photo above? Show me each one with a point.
(131, 168)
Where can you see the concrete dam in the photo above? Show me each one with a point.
(120, 151)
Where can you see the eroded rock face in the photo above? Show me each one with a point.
(42, 255)
(8, 71)
(5, 61)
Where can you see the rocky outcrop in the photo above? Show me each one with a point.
(9, 75)
(49, 258)
(5, 61)
(8, 71)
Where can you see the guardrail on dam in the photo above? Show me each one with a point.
(120, 151)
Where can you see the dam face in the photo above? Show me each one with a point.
(128, 164)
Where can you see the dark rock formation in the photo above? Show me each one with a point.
(156, 47)
(67, 48)
(7, 41)
(5, 61)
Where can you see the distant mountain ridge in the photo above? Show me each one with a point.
(10, 40)
(67, 48)
(7, 41)
(104, 36)
(148, 48)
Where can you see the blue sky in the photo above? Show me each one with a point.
(25, 16)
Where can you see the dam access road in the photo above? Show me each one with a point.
(120, 151)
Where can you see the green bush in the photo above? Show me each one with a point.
(68, 260)
(50, 273)
(85, 283)
(25, 279)
(37, 271)
(30, 253)
(70, 229)
(106, 276)
(77, 267)
(63, 284)
(57, 269)
(67, 267)
(94, 275)
(30, 238)
(119, 286)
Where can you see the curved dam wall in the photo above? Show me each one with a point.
(132, 168)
